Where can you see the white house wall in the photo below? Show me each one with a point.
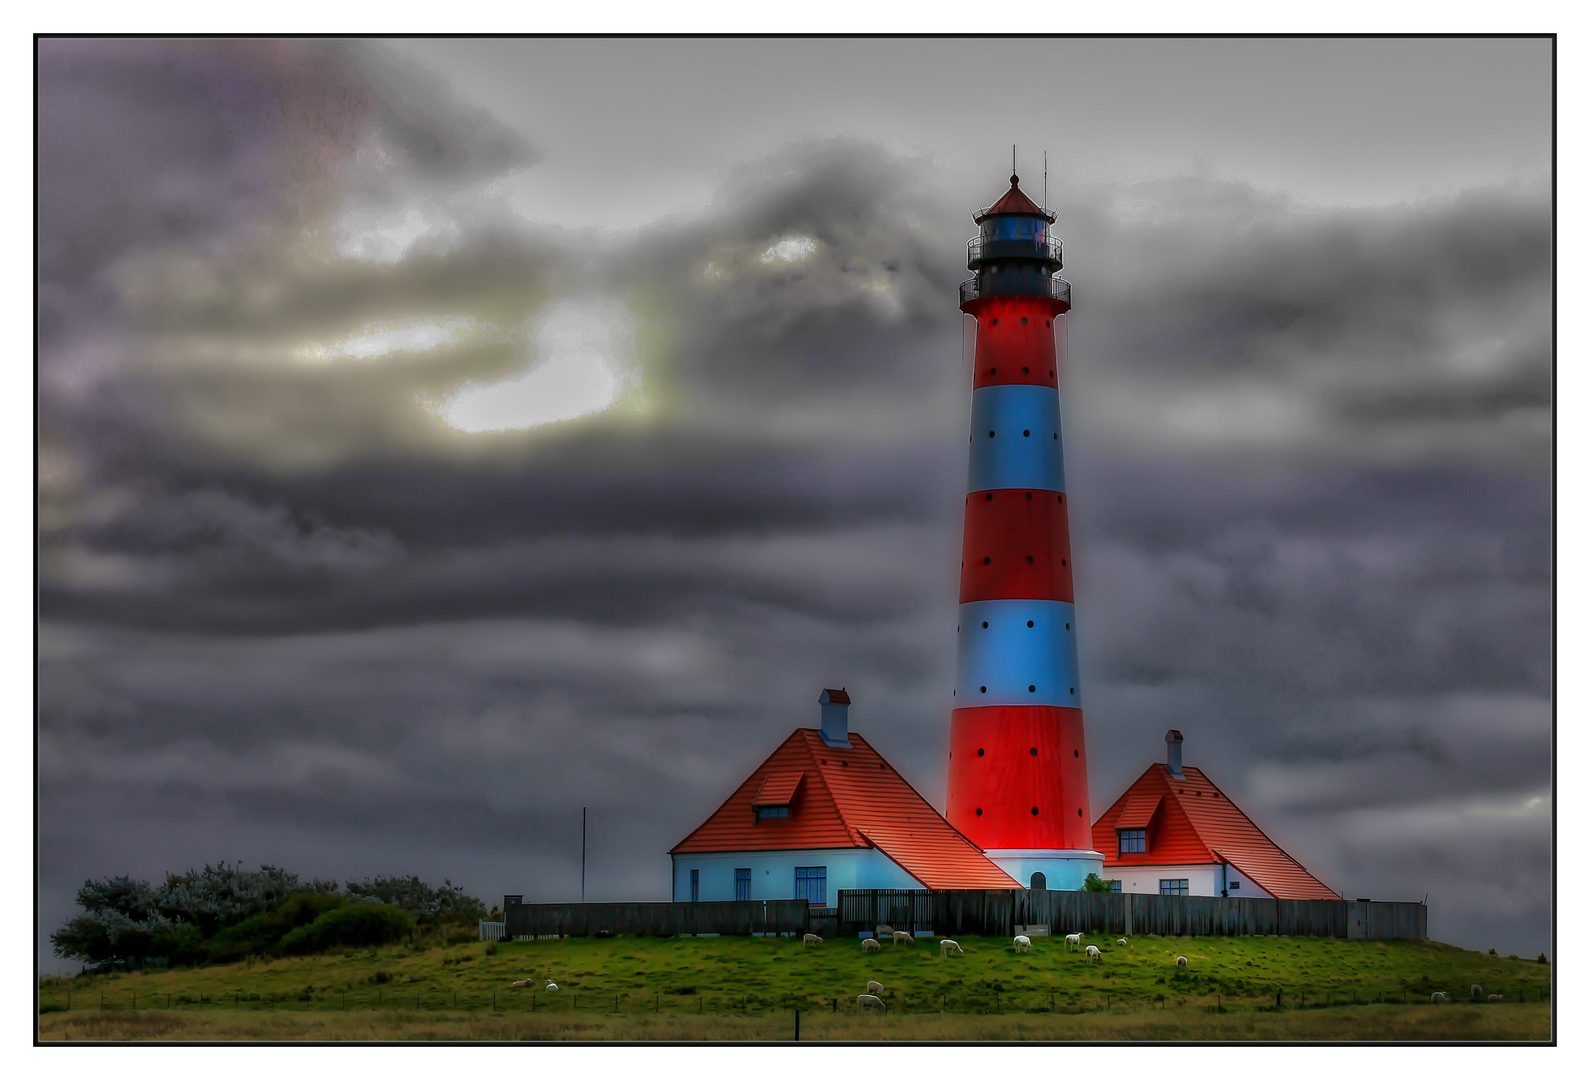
(773, 872)
(1203, 879)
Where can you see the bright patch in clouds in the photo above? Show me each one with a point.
(402, 336)
(790, 249)
(587, 365)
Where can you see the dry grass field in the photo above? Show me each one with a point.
(749, 989)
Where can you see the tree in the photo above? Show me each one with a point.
(428, 904)
(1094, 883)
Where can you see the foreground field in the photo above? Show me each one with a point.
(1339, 1024)
(749, 989)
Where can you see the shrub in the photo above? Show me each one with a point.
(430, 905)
(1541, 959)
(355, 924)
(1094, 883)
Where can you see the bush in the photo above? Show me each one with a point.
(261, 934)
(1094, 883)
(355, 924)
(430, 905)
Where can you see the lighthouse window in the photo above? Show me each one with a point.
(979, 751)
(986, 560)
(985, 626)
(1035, 811)
(1026, 433)
(1032, 689)
(1132, 841)
(1033, 751)
(1024, 370)
(1029, 624)
(1073, 691)
(1029, 560)
(979, 811)
(1024, 322)
(990, 434)
(982, 689)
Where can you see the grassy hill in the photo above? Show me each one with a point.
(713, 987)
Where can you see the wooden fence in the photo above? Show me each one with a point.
(656, 919)
(996, 912)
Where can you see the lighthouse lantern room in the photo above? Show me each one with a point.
(1018, 766)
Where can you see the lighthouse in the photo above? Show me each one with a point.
(1018, 781)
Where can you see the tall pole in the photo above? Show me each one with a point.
(582, 854)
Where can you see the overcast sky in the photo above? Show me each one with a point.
(435, 438)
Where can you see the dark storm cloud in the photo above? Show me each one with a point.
(278, 595)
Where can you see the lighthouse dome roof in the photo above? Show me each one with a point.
(1014, 201)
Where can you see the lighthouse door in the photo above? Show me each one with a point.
(1039, 881)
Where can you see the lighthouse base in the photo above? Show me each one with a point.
(1064, 870)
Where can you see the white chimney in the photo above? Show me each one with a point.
(836, 723)
(1173, 752)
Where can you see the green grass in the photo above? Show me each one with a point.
(611, 986)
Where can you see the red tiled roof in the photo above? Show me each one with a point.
(849, 798)
(836, 697)
(1197, 823)
(1139, 812)
(777, 789)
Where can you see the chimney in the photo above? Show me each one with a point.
(1173, 752)
(836, 724)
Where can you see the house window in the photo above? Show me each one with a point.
(811, 884)
(1234, 886)
(1115, 885)
(695, 885)
(1132, 841)
(1173, 886)
(771, 811)
(742, 883)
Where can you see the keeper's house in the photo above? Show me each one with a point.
(1174, 833)
(826, 812)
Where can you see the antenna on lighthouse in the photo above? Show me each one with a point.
(1013, 159)
(1046, 179)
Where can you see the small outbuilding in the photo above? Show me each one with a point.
(1175, 833)
(826, 812)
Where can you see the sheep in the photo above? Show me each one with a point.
(870, 945)
(884, 930)
(950, 948)
(808, 940)
(1181, 962)
(1494, 997)
(1476, 991)
(1023, 943)
(1073, 941)
(1093, 953)
(1120, 941)
(1438, 997)
(523, 984)
(900, 937)
(875, 987)
(870, 1001)
(551, 987)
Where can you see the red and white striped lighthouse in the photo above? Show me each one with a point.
(1018, 769)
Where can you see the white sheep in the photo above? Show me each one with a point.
(1023, 943)
(551, 987)
(523, 984)
(1438, 997)
(884, 930)
(1073, 941)
(808, 940)
(1494, 997)
(870, 945)
(950, 948)
(900, 937)
(875, 987)
(870, 1001)
(1120, 941)
(1093, 953)
(1181, 962)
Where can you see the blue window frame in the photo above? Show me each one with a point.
(1173, 886)
(742, 883)
(1132, 841)
(811, 884)
(1115, 884)
(771, 811)
(695, 885)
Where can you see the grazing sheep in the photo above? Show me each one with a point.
(1120, 941)
(1073, 941)
(900, 937)
(870, 945)
(1093, 953)
(551, 987)
(1181, 962)
(523, 984)
(1476, 991)
(808, 940)
(875, 987)
(950, 948)
(884, 930)
(1494, 997)
(1023, 943)
(870, 1001)
(1438, 997)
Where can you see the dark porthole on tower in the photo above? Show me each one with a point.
(979, 751)
(1029, 495)
(1032, 688)
(990, 434)
(987, 559)
(989, 497)
(996, 321)
(1062, 562)
(1076, 753)
(993, 371)
(985, 626)
(979, 811)
(1024, 371)
(1024, 320)
(1032, 751)
(1073, 690)
(1079, 811)
(1068, 626)
(1035, 811)
(984, 690)
(1026, 433)
(1029, 624)
(1029, 560)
